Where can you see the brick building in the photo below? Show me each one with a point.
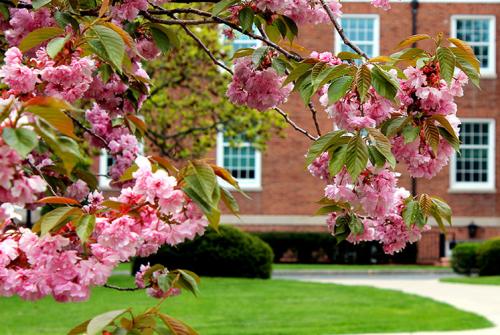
(282, 191)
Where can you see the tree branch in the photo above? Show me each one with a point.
(88, 130)
(314, 117)
(340, 30)
(118, 288)
(294, 125)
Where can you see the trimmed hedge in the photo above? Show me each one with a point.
(489, 258)
(308, 248)
(227, 253)
(464, 258)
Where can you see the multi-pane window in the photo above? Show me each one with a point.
(479, 33)
(241, 159)
(105, 163)
(473, 168)
(363, 31)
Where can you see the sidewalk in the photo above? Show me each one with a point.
(480, 299)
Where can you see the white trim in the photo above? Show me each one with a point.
(104, 180)
(477, 187)
(490, 71)
(307, 220)
(254, 184)
(376, 32)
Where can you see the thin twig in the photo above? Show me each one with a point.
(203, 46)
(314, 114)
(340, 30)
(294, 125)
(39, 173)
(218, 19)
(88, 130)
(118, 288)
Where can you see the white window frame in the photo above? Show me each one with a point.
(476, 187)
(490, 71)
(376, 33)
(104, 180)
(254, 184)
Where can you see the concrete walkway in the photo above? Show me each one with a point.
(480, 299)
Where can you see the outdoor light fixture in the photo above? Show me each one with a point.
(472, 227)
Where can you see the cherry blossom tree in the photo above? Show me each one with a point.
(73, 83)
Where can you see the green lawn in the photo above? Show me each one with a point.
(246, 306)
(487, 280)
(342, 267)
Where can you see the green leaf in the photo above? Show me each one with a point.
(382, 144)
(338, 88)
(412, 39)
(347, 55)
(431, 133)
(355, 225)
(363, 81)
(297, 72)
(38, 36)
(446, 60)
(37, 4)
(337, 160)
(279, 66)
(64, 19)
(22, 140)
(4, 11)
(100, 322)
(230, 201)
(466, 53)
(292, 30)
(107, 44)
(410, 133)
(85, 227)
(222, 5)
(52, 110)
(175, 326)
(450, 138)
(376, 158)
(246, 16)
(356, 156)
(56, 45)
(273, 32)
(328, 209)
(188, 280)
(394, 125)
(56, 218)
(322, 144)
(384, 83)
(468, 70)
(164, 37)
(258, 55)
(441, 208)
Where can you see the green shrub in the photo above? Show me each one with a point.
(489, 258)
(464, 258)
(307, 248)
(227, 253)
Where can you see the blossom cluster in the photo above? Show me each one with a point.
(376, 199)
(152, 287)
(351, 114)
(301, 11)
(16, 186)
(153, 212)
(424, 94)
(261, 89)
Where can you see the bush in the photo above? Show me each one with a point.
(227, 253)
(464, 258)
(309, 248)
(489, 258)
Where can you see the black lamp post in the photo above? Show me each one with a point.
(472, 228)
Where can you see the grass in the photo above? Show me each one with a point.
(342, 267)
(246, 306)
(486, 280)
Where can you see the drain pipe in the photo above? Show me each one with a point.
(414, 25)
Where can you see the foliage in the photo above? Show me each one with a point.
(485, 280)
(464, 258)
(187, 107)
(226, 252)
(314, 248)
(489, 258)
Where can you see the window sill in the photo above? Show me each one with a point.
(244, 188)
(488, 75)
(459, 190)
